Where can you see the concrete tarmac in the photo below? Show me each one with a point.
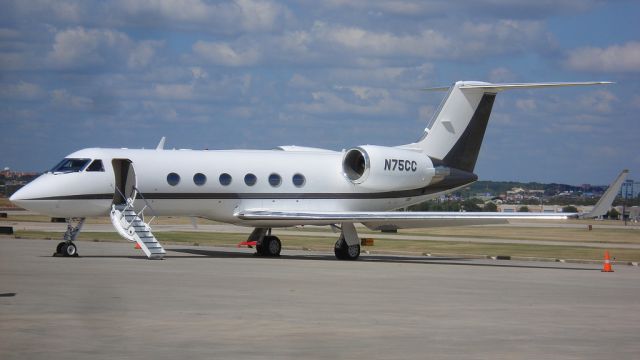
(220, 303)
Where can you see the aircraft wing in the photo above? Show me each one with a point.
(379, 220)
(604, 204)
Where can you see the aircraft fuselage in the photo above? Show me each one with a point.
(217, 184)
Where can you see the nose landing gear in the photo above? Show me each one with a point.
(68, 247)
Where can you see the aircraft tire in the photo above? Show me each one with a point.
(69, 249)
(273, 246)
(59, 248)
(346, 252)
(260, 248)
(269, 246)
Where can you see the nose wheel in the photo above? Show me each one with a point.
(68, 247)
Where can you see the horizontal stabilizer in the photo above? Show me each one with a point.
(508, 86)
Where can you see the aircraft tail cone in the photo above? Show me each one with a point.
(137, 246)
(607, 263)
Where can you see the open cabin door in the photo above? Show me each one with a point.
(125, 181)
(127, 222)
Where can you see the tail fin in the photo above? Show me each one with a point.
(454, 134)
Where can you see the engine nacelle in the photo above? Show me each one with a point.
(387, 168)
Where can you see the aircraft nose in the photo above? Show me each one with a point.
(20, 197)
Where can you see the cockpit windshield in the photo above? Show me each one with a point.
(70, 165)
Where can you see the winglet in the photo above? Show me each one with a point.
(604, 204)
(161, 144)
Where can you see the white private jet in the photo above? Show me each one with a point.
(286, 186)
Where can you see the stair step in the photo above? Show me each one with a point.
(142, 232)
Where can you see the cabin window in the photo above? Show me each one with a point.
(96, 165)
(298, 180)
(275, 180)
(199, 179)
(250, 179)
(225, 179)
(173, 179)
(70, 165)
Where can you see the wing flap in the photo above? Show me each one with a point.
(393, 219)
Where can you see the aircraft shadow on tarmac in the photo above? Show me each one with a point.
(221, 254)
(203, 254)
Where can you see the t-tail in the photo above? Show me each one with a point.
(454, 134)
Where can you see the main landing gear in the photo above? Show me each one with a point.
(345, 251)
(348, 245)
(267, 245)
(346, 248)
(68, 247)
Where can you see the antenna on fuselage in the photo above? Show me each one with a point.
(161, 144)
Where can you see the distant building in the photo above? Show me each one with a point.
(11, 181)
(519, 194)
(630, 189)
(509, 208)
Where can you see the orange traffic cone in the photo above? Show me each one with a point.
(607, 263)
(137, 246)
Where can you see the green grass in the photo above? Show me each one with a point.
(326, 244)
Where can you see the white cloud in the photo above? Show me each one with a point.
(426, 43)
(174, 91)
(220, 53)
(300, 81)
(385, 76)
(615, 58)
(62, 98)
(79, 47)
(222, 16)
(598, 101)
(143, 53)
(21, 91)
(6, 33)
(501, 74)
(525, 9)
(327, 43)
(635, 101)
(259, 15)
(50, 11)
(177, 10)
(425, 113)
(500, 37)
(526, 104)
(352, 100)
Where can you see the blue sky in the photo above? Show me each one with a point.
(332, 74)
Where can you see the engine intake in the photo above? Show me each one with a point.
(356, 165)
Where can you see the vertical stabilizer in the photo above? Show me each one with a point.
(455, 133)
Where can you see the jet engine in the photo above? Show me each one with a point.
(381, 168)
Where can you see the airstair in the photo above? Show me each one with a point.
(131, 226)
